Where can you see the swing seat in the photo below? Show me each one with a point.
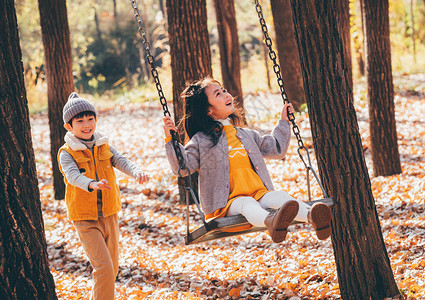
(231, 226)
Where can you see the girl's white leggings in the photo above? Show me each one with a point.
(255, 211)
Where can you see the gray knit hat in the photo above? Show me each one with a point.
(76, 105)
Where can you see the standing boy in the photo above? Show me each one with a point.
(92, 194)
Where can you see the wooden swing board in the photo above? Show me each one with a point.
(218, 228)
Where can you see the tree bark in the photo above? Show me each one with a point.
(342, 10)
(60, 82)
(162, 7)
(189, 45)
(361, 50)
(114, 2)
(358, 43)
(24, 267)
(383, 132)
(266, 65)
(363, 266)
(229, 50)
(413, 34)
(96, 21)
(145, 63)
(287, 51)
(190, 54)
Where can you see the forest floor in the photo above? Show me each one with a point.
(156, 264)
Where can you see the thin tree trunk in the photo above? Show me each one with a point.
(363, 266)
(147, 32)
(412, 17)
(190, 54)
(229, 50)
(361, 59)
(342, 10)
(162, 7)
(115, 10)
(383, 132)
(96, 22)
(24, 266)
(287, 51)
(361, 63)
(143, 65)
(266, 66)
(60, 82)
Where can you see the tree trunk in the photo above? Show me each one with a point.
(361, 63)
(96, 22)
(342, 10)
(363, 266)
(266, 65)
(413, 35)
(147, 32)
(190, 53)
(229, 50)
(162, 7)
(361, 58)
(287, 51)
(189, 45)
(383, 132)
(60, 82)
(144, 73)
(115, 10)
(24, 267)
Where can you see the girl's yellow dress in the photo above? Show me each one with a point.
(244, 181)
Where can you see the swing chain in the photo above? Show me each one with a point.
(276, 69)
(295, 128)
(158, 85)
(150, 58)
(163, 100)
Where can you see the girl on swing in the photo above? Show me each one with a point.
(233, 177)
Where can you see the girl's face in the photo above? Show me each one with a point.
(220, 101)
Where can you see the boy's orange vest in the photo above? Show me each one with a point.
(82, 205)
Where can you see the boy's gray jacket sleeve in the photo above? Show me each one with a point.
(74, 176)
(123, 164)
(72, 173)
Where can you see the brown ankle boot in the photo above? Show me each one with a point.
(319, 216)
(277, 221)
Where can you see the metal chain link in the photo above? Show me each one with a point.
(150, 58)
(276, 69)
(175, 139)
(154, 72)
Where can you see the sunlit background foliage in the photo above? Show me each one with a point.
(109, 64)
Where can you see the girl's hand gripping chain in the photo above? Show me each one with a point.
(168, 126)
(287, 107)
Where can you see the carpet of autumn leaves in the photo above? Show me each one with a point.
(155, 263)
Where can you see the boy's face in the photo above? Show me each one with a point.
(82, 128)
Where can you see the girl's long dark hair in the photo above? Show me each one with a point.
(196, 116)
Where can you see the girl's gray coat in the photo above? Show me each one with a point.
(213, 162)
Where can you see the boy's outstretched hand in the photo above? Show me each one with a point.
(100, 185)
(142, 178)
